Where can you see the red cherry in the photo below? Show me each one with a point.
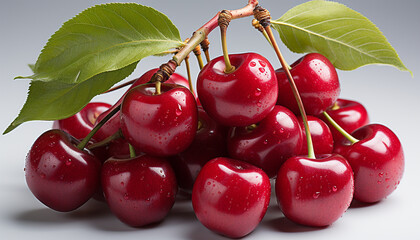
(322, 138)
(315, 192)
(242, 97)
(275, 139)
(159, 125)
(80, 124)
(350, 115)
(377, 160)
(140, 190)
(113, 124)
(317, 82)
(209, 143)
(231, 197)
(59, 174)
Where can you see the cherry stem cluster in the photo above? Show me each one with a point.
(266, 25)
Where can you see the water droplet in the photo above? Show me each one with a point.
(252, 64)
(262, 63)
(262, 70)
(68, 162)
(334, 188)
(381, 174)
(259, 104)
(178, 111)
(316, 195)
(257, 92)
(148, 199)
(379, 181)
(387, 179)
(208, 183)
(125, 196)
(265, 142)
(122, 183)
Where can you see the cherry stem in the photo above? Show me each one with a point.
(343, 132)
(206, 52)
(107, 140)
(86, 140)
(205, 30)
(187, 65)
(311, 152)
(132, 151)
(158, 86)
(120, 86)
(200, 61)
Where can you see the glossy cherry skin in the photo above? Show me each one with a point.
(59, 174)
(350, 115)
(240, 98)
(113, 124)
(140, 190)
(231, 197)
(80, 124)
(315, 192)
(275, 139)
(322, 138)
(317, 83)
(377, 160)
(209, 142)
(159, 125)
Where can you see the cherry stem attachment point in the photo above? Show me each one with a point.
(263, 16)
(158, 87)
(343, 132)
(86, 140)
(205, 46)
(197, 53)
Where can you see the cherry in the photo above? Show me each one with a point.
(209, 142)
(239, 98)
(350, 115)
(316, 80)
(315, 192)
(113, 125)
(321, 136)
(59, 174)
(80, 124)
(140, 190)
(377, 160)
(231, 197)
(269, 143)
(159, 125)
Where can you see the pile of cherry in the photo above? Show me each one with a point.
(221, 148)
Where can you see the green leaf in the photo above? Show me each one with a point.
(104, 38)
(56, 100)
(347, 38)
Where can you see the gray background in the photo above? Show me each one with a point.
(390, 96)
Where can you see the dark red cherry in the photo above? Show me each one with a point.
(80, 124)
(159, 125)
(113, 124)
(242, 97)
(322, 138)
(59, 174)
(317, 82)
(377, 160)
(209, 142)
(269, 143)
(140, 190)
(350, 115)
(315, 192)
(231, 197)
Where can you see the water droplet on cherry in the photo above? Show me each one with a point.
(257, 92)
(316, 195)
(252, 64)
(334, 188)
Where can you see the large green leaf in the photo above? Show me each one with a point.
(57, 100)
(347, 38)
(104, 38)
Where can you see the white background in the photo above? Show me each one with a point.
(390, 96)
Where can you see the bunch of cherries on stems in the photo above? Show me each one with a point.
(248, 125)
